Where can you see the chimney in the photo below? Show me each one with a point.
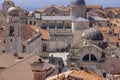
(38, 70)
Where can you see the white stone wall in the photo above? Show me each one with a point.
(31, 20)
(78, 29)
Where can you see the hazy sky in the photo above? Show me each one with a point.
(35, 4)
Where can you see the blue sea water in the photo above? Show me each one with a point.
(32, 5)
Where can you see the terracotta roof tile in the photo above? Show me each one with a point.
(27, 32)
(93, 6)
(7, 60)
(117, 30)
(86, 75)
(20, 71)
(44, 33)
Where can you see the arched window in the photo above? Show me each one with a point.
(52, 26)
(93, 58)
(34, 22)
(44, 26)
(44, 48)
(60, 26)
(68, 26)
(86, 57)
(30, 22)
(11, 31)
(89, 57)
(24, 48)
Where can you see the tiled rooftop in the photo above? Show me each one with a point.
(19, 71)
(85, 75)
(44, 33)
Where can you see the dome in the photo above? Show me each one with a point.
(93, 34)
(78, 2)
(12, 11)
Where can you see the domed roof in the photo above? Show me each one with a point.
(93, 34)
(77, 2)
(13, 11)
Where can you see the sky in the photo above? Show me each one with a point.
(32, 5)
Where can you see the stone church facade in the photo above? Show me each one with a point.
(90, 53)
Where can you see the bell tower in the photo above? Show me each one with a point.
(13, 31)
(78, 8)
(6, 5)
(79, 23)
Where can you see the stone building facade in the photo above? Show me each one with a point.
(20, 38)
(63, 30)
(90, 54)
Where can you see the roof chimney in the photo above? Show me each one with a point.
(39, 70)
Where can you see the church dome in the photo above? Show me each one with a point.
(13, 11)
(93, 34)
(78, 2)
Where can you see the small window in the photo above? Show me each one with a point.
(44, 26)
(60, 26)
(44, 48)
(30, 22)
(11, 33)
(10, 40)
(34, 22)
(104, 75)
(68, 26)
(52, 26)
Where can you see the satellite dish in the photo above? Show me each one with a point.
(112, 65)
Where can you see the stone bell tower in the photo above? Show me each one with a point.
(78, 8)
(79, 21)
(6, 5)
(13, 31)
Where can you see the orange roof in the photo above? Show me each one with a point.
(86, 75)
(27, 32)
(45, 33)
(117, 29)
(20, 70)
(40, 10)
(67, 9)
(93, 6)
(61, 8)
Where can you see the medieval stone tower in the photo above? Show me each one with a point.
(78, 8)
(13, 31)
(79, 23)
(6, 5)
